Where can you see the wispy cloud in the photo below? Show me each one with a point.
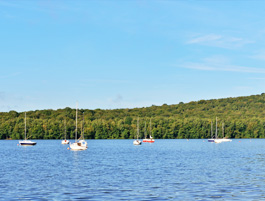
(205, 39)
(260, 55)
(220, 64)
(257, 78)
(216, 40)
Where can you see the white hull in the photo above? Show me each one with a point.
(80, 145)
(27, 143)
(65, 141)
(217, 141)
(137, 142)
(222, 140)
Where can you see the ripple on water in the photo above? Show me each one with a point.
(117, 170)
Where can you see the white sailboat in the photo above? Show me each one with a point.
(78, 145)
(219, 140)
(65, 141)
(224, 139)
(137, 141)
(82, 138)
(216, 140)
(26, 142)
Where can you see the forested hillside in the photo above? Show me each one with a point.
(243, 117)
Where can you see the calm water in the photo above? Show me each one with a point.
(117, 170)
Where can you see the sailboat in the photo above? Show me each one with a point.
(224, 139)
(65, 141)
(26, 142)
(150, 140)
(82, 138)
(137, 141)
(216, 140)
(78, 145)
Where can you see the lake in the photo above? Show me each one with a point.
(118, 170)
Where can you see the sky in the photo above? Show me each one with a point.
(112, 54)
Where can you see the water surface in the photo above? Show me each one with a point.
(118, 170)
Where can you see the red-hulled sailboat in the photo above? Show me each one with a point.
(150, 140)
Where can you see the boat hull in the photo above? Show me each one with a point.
(219, 140)
(137, 142)
(149, 140)
(223, 140)
(27, 143)
(65, 141)
(78, 146)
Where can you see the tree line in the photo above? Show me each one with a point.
(243, 117)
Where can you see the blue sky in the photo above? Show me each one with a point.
(128, 53)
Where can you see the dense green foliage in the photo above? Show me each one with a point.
(243, 117)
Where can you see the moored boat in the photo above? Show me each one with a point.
(137, 141)
(26, 142)
(65, 141)
(78, 145)
(224, 139)
(150, 140)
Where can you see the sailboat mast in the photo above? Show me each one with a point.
(223, 130)
(211, 129)
(83, 130)
(216, 129)
(65, 128)
(145, 129)
(76, 123)
(137, 128)
(150, 129)
(25, 125)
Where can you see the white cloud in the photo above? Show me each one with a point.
(205, 39)
(216, 40)
(220, 64)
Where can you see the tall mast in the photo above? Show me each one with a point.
(137, 128)
(76, 122)
(150, 129)
(223, 130)
(216, 129)
(211, 129)
(65, 128)
(25, 126)
(83, 128)
(145, 129)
